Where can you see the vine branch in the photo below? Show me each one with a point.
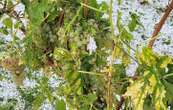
(159, 25)
(120, 103)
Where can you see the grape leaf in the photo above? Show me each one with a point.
(60, 105)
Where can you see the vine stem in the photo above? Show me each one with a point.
(109, 89)
(85, 11)
(109, 73)
(120, 103)
(159, 25)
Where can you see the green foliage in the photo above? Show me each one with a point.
(38, 102)
(7, 106)
(60, 105)
(36, 10)
(134, 22)
(56, 43)
(151, 82)
(8, 22)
